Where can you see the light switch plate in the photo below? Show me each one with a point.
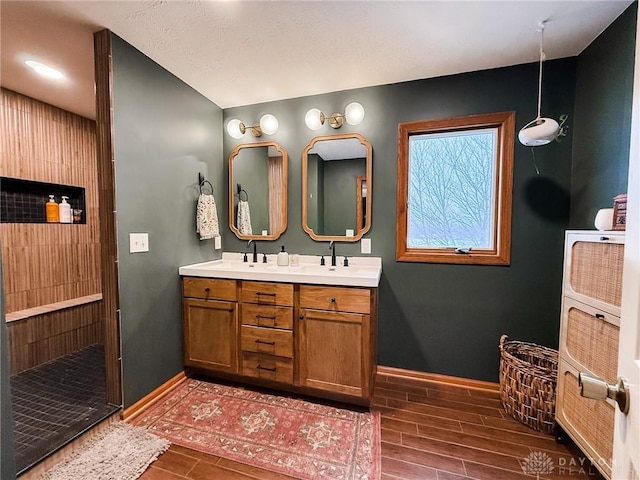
(138, 242)
(217, 243)
(365, 245)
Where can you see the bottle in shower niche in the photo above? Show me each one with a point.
(65, 210)
(52, 211)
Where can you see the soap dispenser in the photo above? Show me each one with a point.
(52, 212)
(65, 211)
(283, 258)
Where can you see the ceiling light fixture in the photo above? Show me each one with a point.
(268, 124)
(353, 114)
(540, 130)
(44, 70)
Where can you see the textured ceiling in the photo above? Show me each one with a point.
(245, 52)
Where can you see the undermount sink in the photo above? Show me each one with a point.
(362, 271)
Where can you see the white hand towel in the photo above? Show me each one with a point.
(244, 218)
(207, 217)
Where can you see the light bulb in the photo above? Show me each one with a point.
(354, 113)
(269, 124)
(313, 119)
(233, 128)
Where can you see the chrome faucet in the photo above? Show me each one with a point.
(332, 247)
(254, 259)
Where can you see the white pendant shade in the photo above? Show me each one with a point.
(539, 132)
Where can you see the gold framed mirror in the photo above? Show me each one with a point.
(336, 187)
(258, 191)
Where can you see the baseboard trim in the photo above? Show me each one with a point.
(436, 377)
(145, 402)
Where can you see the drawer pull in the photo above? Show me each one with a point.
(269, 317)
(268, 294)
(604, 239)
(270, 369)
(333, 300)
(207, 289)
(599, 316)
(265, 343)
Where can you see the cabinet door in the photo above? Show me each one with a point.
(593, 269)
(211, 335)
(333, 351)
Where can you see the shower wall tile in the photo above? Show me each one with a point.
(48, 263)
(40, 338)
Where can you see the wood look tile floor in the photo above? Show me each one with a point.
(429, 430)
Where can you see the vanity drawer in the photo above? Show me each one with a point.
(265, 293)
(267, 340)
(209, 288)
(357, 300)
(267, 316)
(274, 368)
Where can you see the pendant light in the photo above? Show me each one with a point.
(540, 130)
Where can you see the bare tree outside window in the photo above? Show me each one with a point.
(454, 189)
(451, 189)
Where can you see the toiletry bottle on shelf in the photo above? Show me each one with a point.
(283, 258)
(52, 212)
(65, 211)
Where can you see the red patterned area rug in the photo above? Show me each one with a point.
(298, 438)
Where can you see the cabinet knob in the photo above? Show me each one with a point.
(207, 289)
(333, 300)
(301, 317)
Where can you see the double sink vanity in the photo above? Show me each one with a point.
(306, 328)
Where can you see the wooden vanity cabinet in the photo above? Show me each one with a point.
(210, 324)
(336, 340)
(267, 331)
(311, 339)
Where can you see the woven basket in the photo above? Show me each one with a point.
(528, 377)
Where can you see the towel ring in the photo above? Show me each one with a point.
(202, 181)
(241, 191)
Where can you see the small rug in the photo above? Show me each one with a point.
(119, 452)
(284, 435)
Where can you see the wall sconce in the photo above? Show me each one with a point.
(268, 124)
(353, 114)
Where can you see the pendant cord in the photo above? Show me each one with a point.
(542, 57)
(533, 158)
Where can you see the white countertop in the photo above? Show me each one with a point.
(361, 272)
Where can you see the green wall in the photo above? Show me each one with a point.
(164, 134)
(602, 124)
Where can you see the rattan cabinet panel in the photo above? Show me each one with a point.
(590, 338)
(589, 333)
(588, 422)
(593, 268)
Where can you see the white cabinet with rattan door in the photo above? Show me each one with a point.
(589, 332)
